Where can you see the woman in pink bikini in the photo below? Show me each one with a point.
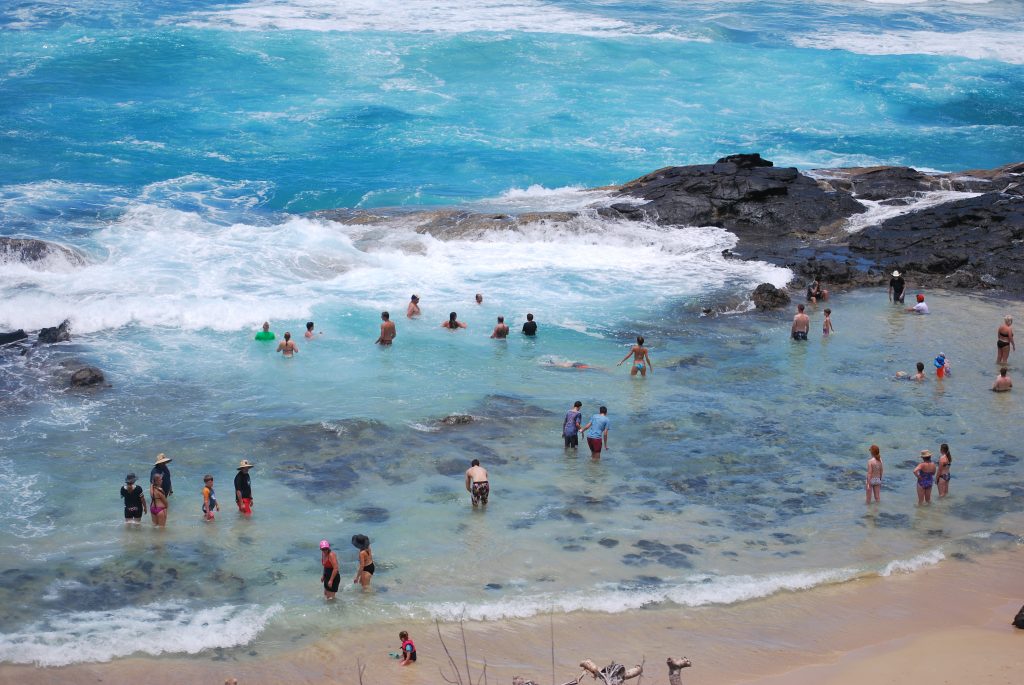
(157, 501)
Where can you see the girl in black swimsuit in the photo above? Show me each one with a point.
(366, 565)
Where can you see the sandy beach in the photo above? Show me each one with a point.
(945, 624)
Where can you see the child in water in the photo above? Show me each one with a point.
(826, 327)
(942, 366)
(209, 498)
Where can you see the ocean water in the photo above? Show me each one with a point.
(181, 147)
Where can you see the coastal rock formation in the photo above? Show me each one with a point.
(742, 193)
(86, 377)
(974, 241)
(767, 296)
(457, 420)
(13, 336)
(888, 184)
(55, 334)
(31, 251)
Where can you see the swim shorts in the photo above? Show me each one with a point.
(481, 491)
(595, 445)
(245, 506)
(799, 335)
(133, 513)
(329, 586)
(572, 440)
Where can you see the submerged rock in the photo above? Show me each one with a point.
(32, 251)
(86, 377)
(457, 420)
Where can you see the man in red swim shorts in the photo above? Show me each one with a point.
(243, 488)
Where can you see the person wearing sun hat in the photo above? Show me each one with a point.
(925, 474)
(134, 500)
(897, 288)
(160, 466)
(243, 488)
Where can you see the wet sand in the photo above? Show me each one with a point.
(944, 624)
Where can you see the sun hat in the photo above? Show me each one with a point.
(896, 274)
(926, 454)
(244, 464)
(130, 478)
(360, 541)
(324, 544)
(162, 459)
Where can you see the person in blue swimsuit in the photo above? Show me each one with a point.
(925, 474)
(641, 358)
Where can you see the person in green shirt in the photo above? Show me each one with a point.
(266, 333)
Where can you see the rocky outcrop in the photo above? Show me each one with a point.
(31, 251)
(13, 336)
(767, 296)
(55, 334)
(887, 184)
(974, 242)
(457, 420)
(86, 377)
(742, 193)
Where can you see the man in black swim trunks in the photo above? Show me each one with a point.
(801, 324)
(134, 500)
(477, 484)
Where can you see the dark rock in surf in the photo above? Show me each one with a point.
(14, 336)
(86, 377)
(32, 251)
(56, 334)
(457, 420)
(766, 296)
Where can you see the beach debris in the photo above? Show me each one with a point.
(617, 674)
(1018, 620)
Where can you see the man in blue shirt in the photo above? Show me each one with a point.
(597, 432)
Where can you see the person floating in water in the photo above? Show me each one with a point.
(1004, 341)
(134, 500)
(596, 432)
(826, 326)
(921, 307)
(945, 464)
(479, 298)
(243, 488)
(801, 324)
(477, 485)
(897, 288)
(209, 498)
(571, 425)
(1003, 382)
(265, 334)
(408, 654)
(641, 358)
(387, 330)
(530, 326)
(413, 310)
(453, 323)
(287, 347)
(331, 576)
(873, 481)
(309, 330)
(500, 331)
(925, 475)
(366, 566)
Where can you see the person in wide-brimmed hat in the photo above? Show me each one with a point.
(243, 487)
(366, 566)
(160, 467)
(897, 288)
(134, 500)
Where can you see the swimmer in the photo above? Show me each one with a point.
(453, 323)
(530, 326)
(925, 475)
(157, 501)
(266, 333)
(330, 577)
(1004, 341)
(569, 365)
(387, 330)
(801, 324)
(413, 310)
(134, 500)
(366, 566)
(1003, 382)
(408, 649)
(477, 485)
(287, 347)
(500, 331)
(945, 464)
(919, 376)
(479, 298)
(826, 326)
(209, 498)
(309, 330)
(942, 366)
(641, 358)
(921, 307)
(596, 432)
(873, 481)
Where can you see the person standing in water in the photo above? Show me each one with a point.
(873, 481)
(134, 500)
(287, 347)
(265, 334)
(596, 432)
(1004, 341)
(801, 324)
(897, 288)
(309, 330)
(160, 466)
(366, 566)
(925, 475)
(921, 307)
(641, 358)
(477, 485)
(331, 576)
(413, 310)
(157, 501)
(945, 464)
(571, 425)
(209, 498)
(826, 326)
(387, 330)
(453, 323)
(530, 326)
(1003, 382)
(500, 331)
(243, 488)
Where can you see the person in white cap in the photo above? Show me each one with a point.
(897, 288)
(162, 460)
(243, 488)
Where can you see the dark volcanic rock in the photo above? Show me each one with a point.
(977, 240)
(14, 336)
(86, 377)
(457, 420)
(767, 296)
(56, 334)
(31, 251)
(742, 193)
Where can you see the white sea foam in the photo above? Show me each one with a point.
(22, 503)
(878, 212)
(1000, 46)
(167, 628)
(420, 16)
(915, 563)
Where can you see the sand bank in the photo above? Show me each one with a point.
(945, 624)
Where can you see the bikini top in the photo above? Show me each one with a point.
(325, 559)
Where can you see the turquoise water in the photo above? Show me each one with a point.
(178, 146)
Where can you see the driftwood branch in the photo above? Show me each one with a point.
(675, 667)
(617, 674)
